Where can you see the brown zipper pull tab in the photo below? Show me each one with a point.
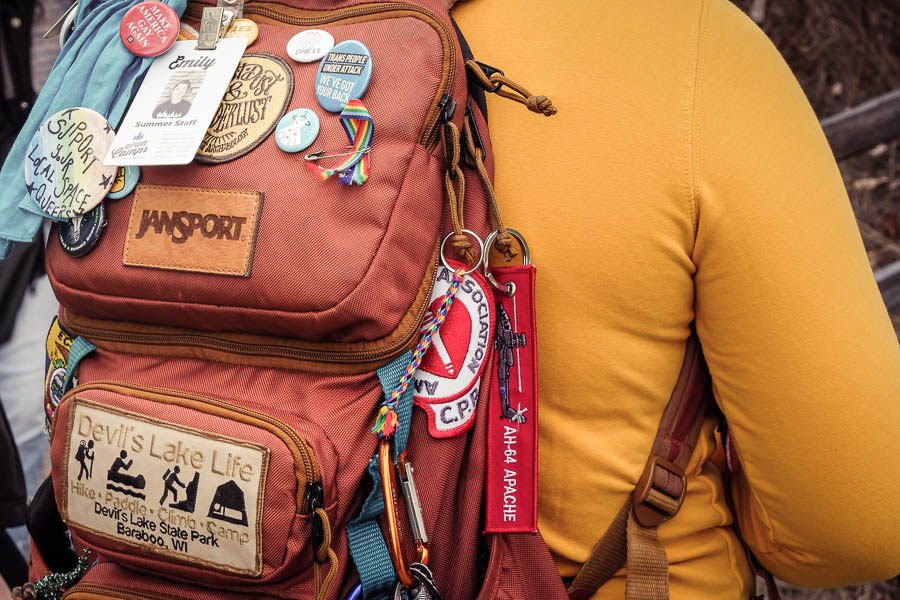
(494, 81)
(474, 157)
(455, 181)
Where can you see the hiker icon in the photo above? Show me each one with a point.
(126, 483)
(84, 455)
(228, 504)
(190, 500)
(171, 479)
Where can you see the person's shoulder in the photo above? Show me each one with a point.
(642, 34)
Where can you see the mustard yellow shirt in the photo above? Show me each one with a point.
(686, 177)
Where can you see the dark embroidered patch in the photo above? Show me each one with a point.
(256, 98)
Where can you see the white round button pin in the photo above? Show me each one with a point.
(310, 45)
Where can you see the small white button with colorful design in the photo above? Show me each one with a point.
(297, 130)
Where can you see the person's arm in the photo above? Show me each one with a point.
(805, 363)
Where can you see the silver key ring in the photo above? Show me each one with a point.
(510, 288)
(480, 250)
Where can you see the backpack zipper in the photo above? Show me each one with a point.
(95, 333)
(291, 16)
(92, 591)
(285, 432)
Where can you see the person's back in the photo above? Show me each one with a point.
(686, 177)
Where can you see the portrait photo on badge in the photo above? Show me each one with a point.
(178, 94)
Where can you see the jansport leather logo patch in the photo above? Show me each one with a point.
(256, 98)
(164, 488)
(192, 229)
(448, 382)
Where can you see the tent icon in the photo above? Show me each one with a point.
(228, 504)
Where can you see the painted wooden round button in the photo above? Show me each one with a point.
(125, 182)
(343, 75)
(244, 28)
(149, 28)
(64, 170)
(80, 234)
(297, 130)
(310, 45)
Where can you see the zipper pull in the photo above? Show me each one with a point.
(320, 538)
(314, 495)
(455, 191)
(494, 81)
(447, 107)
(315, 498)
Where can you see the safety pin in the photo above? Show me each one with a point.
(314, 156)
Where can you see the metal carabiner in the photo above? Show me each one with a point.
(413, 507)
(388, 485)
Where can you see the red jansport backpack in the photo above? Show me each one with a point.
(249, 319)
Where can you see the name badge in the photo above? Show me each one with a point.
(174, 106)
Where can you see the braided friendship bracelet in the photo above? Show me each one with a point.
(387, 422)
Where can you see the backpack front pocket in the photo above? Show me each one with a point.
(187, 485)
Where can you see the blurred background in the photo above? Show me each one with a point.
(846, 55)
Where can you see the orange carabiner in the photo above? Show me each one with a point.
(388, 485)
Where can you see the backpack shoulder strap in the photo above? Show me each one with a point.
(631, 537)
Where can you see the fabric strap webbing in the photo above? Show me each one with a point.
(79, 349)
(646, 567)
(626, 540)
(364, 537)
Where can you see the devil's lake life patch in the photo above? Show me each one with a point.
(192, 229)
(164, 488)
(256, 98)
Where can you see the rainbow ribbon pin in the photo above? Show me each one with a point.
(359, 127)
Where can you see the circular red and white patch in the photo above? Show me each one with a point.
(149, 28)
(448, 381)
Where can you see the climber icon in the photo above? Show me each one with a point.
(190, 500)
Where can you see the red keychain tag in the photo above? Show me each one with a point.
(511, 490)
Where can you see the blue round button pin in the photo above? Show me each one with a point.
(297, 130)
(80, 234)
(125, 182)
(343, 75)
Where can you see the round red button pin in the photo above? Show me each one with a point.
(149, 28)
